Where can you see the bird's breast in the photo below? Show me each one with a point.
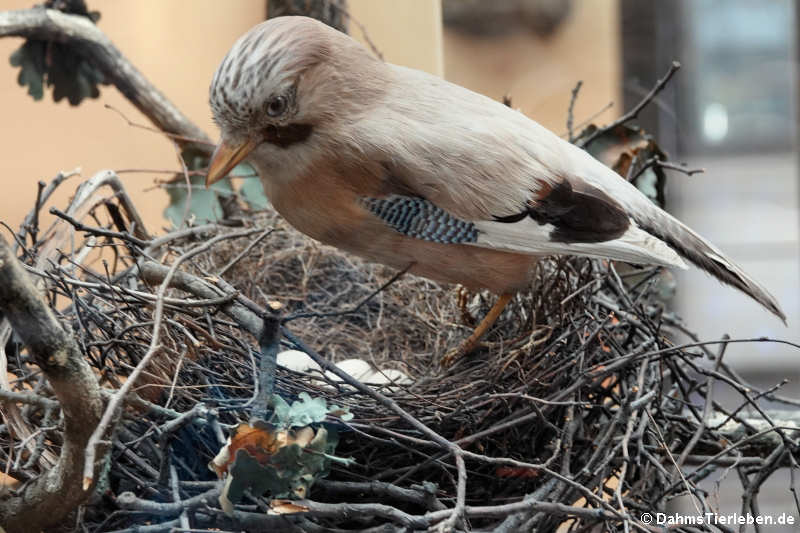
(330, 208)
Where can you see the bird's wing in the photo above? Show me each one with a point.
(505, 182)
(516, 185)
(533, 231)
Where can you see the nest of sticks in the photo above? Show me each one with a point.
(581, 411)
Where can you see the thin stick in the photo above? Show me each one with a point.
(571, 110)
(450, 447)
(244, 252)
(355, 309)
(633, 113)
(701, 428)
(145, 127)
(118, 398)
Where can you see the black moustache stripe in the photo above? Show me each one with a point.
(285, 136)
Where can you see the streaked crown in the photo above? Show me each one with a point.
(260, 74)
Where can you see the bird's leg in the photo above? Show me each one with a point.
(472, 342)
(463, 297)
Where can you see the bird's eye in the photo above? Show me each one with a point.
(276, 106)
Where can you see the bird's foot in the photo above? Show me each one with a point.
(474, 340)
(463, 301)
(466, 348)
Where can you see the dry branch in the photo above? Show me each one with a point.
(57, 492)
(53, 25)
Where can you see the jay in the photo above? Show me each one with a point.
(406, 169)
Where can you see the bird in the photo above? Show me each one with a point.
(404, 168)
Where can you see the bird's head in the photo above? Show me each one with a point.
(283, 87)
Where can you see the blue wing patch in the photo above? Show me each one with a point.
(421, 219)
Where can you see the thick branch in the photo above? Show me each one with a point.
(57, 492)
(155, 273)
(53, 25)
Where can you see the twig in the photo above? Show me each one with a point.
(634, 113)
(399, 274)
(655, 161)
(588, 120)
(128, 500)
(117, 399)
(185, 172)
(245, 251)
(680, 168)
(55, 492)
(458, 511)
(169, 429)
(268, 342)
(377, 489)
(29, 398)
(176, 496)
(571, 110)
(53, 25)
(709, 401)
(97, 231)
(174, 136)
(42, 196)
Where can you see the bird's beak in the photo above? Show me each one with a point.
(226, 156)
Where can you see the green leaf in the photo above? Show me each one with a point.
(59, 65)
(253, 193)
(280, 408)
(204, 204)
(30, 58)
(304, 411)
(289, 473)
(249, 475)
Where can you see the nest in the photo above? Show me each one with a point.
(577, 412)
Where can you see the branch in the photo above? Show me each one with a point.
(633, 113)
(53, 25)
(452, 448)
(29, 398)
(57, 492)
(655, 161)
(153, 272)
(128, 500)
(571, 110)
(422, 496)
(95, 440)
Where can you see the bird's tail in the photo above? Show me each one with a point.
(703, 254)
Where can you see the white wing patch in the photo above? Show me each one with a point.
(530, 237)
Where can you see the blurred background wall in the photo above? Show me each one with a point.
(178, 44)
(731, 110)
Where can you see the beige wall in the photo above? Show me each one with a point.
(540, 74)
(407, 32)
(177, 45)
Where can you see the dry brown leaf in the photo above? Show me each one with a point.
(286, 507)
(8, 482)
